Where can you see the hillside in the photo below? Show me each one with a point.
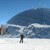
(39, 17)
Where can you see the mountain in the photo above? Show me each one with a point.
(34, 23)
(39, 15)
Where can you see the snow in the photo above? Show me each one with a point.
(29, 44)
(33, 24)
(37, 25)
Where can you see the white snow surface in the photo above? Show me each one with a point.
(37, 25)
(29, 44)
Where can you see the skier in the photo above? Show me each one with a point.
(21, 36)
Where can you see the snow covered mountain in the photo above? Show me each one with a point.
(34, 23)
(31, 31)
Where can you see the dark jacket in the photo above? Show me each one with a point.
(22, 36)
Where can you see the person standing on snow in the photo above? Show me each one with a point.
(21, 36)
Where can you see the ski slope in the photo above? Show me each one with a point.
(29, 44)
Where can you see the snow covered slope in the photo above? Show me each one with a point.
(29, 44)
(34, 30)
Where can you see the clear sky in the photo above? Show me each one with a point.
(9, 8)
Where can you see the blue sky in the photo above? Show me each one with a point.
(9, 8)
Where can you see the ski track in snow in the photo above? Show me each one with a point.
(29, 44)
